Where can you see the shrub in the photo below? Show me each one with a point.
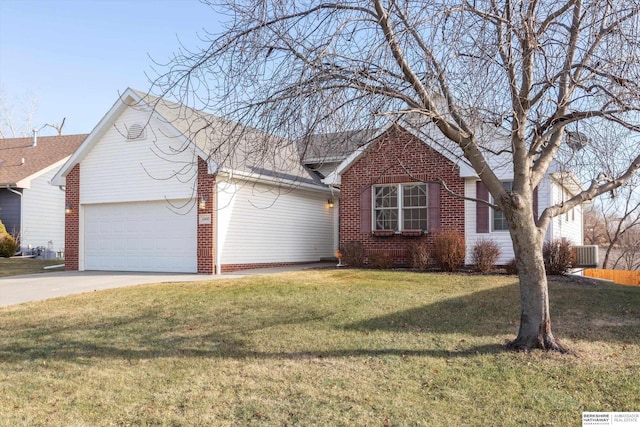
(381, 260)
(8, 246)
(557, 256)
(485, 254)
(3, 229)
(448, 250)
(353, 254)
(418, 255)
(511, 267)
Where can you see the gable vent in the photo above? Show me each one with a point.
(136, 132)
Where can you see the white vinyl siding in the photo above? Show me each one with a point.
(43, 213)
(261, 223)
(119, 170)
(137, 200)
(500, 238)
(568, 225)
(558, 228)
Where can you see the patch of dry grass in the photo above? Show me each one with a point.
(333, 347)
(20, 266)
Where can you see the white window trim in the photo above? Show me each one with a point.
(400, 207)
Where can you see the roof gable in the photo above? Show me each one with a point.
(21, 160)
(226, 146)
(427, 139)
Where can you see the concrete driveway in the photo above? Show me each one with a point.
(36, 287)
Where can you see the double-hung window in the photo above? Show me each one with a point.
(499, 221)
(400, 207)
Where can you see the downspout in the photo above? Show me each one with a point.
(216, 232)
(14, 191)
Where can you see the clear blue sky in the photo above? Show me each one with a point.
(75, 56)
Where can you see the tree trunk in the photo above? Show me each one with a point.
(535, 321)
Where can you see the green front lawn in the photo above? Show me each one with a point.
(19, 266)
(332, 347)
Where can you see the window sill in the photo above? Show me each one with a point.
(383, 233)
(411, 233)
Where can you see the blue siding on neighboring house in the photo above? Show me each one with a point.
(10, 205)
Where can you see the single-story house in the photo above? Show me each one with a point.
(30, 207)
(390, 193)
(157, 187)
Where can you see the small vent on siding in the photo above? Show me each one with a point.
(136, 132)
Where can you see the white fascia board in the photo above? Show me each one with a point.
(333, 178)
(127, 99)
(466, 170)
(103, 125)
(569, 181)
(26, 182)
(212, 167)
(258, 178)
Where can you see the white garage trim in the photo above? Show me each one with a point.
(140, 236)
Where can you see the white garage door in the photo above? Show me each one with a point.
(144, 236)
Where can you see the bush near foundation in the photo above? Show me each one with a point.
(557, 255)
(353, 254)
(485, 253)
(381, 260)
(511, 267)
(418, 255)
(448, 250)
(8, 246)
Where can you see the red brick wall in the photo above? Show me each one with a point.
(229, 268)
(206, 232)
(397, 156)
(72, 220)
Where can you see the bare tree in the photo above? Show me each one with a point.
(614, 223)
(594, 227)
(16, 118)
(629, 257)
(530, 70)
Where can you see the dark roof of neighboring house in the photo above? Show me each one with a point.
(332, 147)
(48, 150)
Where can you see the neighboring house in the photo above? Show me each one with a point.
(29, 206)
(391, 194)
(154, 187)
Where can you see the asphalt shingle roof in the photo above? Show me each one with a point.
(48, 150)
(232, 145)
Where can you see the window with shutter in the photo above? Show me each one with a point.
(482, 210)
(400, 207)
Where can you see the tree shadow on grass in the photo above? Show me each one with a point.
(483, 313)
(609, 313)
(601, 313)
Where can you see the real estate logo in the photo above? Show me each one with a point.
(627, 419)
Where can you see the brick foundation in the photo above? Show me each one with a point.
(229, 268)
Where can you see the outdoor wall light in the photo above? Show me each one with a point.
(330, 203)
(203, 202)
(68, 209)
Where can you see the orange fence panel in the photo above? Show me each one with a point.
(622, 277)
